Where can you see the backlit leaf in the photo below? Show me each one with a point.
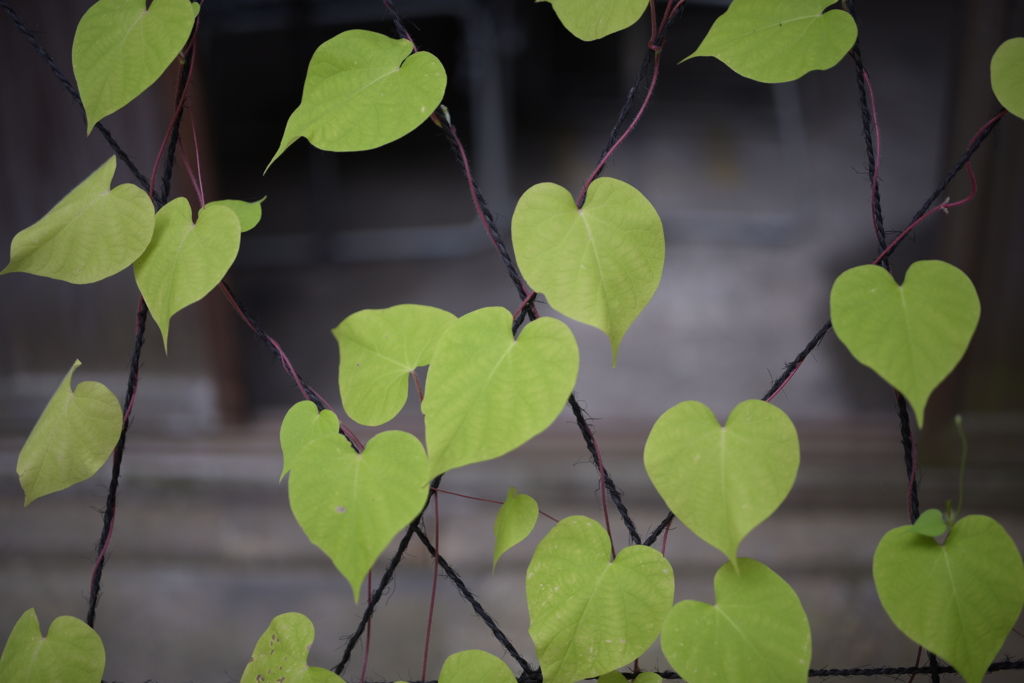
(1007, 73)
(121, 47)
(304, 423)
(593, 19)
(249, 213)
(515, 520)
(71, 652)
(280, 654)
(72, 439)
(91, 234)
(930, 523)
(475, 666)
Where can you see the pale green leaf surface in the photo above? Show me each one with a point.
(185, 260)
(487, 393)
(600, 264)
(304, 423)
(1007, 73)
(959, 599)
(721, 482)
(515, 520)
(774, 41)
(364, 90)
(611, 677)
(756, 631)
(280, 654)
(71, 652)
(379, 349)
(648, 677)
(589, 615)
(930, 523)
(475, 666)
(91, 234)
(72, 438)
(121, 48)
(593, 19)
(911, 335)
(249, 213)
(350, 505)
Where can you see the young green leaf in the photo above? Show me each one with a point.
(281, 652)
(487, 393)
(611, 677)
(475, 666)
(249, 213)
(379, 349)
(304, 423)
(756, 631)
(91, 234)
(722, 482)
(350, 505)
(773, 41)
(364, 90)
(600, 264)
(593, 19)
(648, 677)
(71, 652)
(911, 335)
(930, 523)
(72, 439)
(515, 521)
(1007, 73)
(121, 47)
(185, 260)
(588, 615)
(958, 599)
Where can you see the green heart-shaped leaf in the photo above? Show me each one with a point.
(379, 349)
(186, 260)
(249, 213)
(600, 264)
(70, 653)
(756, 631)
(773, 41)
(722, 482)
(364, 90)
(593, 19)
(515, 521)
(350, 505)
(589, 615)
(281, 652)
(959, 599)
(930, 523)
(1007, 73)
(304, 423)
(121, 48)
(911, 335)
(91, 234)
(475, 666)
(487, 393)
(72, 438)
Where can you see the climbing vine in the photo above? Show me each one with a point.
(495, 379)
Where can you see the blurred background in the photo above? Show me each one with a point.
(764, 196)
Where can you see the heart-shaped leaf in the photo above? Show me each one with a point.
(350, 505)
(70, 653)
(600, 264)
(475, 666)
(589, 615)
(958, 599)
(364, 90)
(773, 41)
(281, 652)
(121, 47)
(186, 260)
(379, 349)
(593, 19)
(912, 335)
(722, 482)
(304, 423)
(756, 631)
(487, 393)
(91, 234)
(930, 523)
(1007, 73)
(515, 521)
(249, 213)
(72, 438)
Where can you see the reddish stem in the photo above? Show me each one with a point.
(917, 663)
(488, 500)
(433, 587)
(664, 540)
(419, 389)
(369, 622)
(199, 168)
(181, 103)
(878, 156)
